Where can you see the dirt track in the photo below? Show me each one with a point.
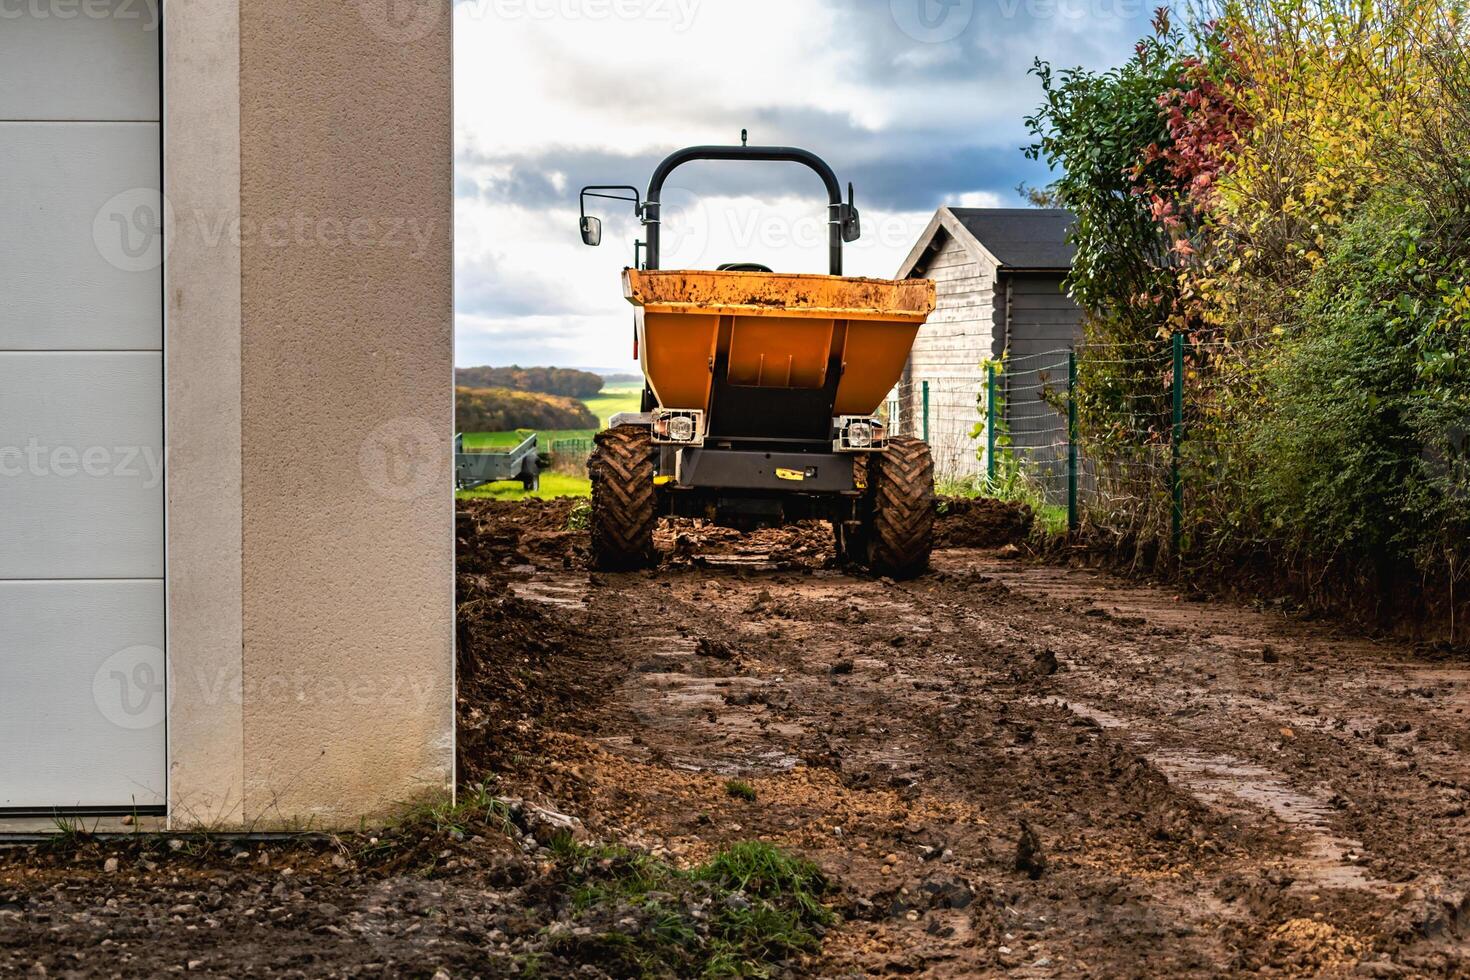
(1209, 789)
(1005, 768)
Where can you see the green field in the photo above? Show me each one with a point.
(614, 399)
(621, 397)
(552, 485)
(509, 440)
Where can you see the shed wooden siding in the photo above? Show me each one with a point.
(1044, 324)
(947, 354)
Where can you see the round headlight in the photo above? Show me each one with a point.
(860, 435)
(681, 428)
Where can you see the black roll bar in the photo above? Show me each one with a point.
(842, 223)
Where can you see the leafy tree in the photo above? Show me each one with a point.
(501, 410)
(548, 380)
(1092, 128)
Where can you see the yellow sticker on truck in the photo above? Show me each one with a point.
(782, 473)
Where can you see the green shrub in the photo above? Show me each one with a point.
(1360, 459)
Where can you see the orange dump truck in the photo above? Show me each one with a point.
(762, 393)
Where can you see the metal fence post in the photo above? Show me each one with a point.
(1176, 478)
(926, 411)
(1072, 518)
(990, 420)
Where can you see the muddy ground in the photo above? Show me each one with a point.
(1002, 767)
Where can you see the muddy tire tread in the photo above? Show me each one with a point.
(902, 522)
(624, 504)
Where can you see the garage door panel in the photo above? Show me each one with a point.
(82, 702)
(81, 245)
(90, 60)
(81, 465)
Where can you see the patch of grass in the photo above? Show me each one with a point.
(474, 441)
(476, 811)
(553, 485)
(757, 906)
(741, 790)
(766, 871)
(477, 805)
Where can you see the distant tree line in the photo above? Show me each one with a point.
(502, 410)
(568, 382)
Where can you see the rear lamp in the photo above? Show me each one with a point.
(680, 427)
(859, 434)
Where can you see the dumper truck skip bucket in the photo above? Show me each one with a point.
(773, 332)
(761, 396)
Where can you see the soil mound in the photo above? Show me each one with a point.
(981, 523)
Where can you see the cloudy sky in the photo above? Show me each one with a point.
(918, 102)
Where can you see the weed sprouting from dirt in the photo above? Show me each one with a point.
(477, 805)
(741, 790)
(71, 836)
(580, 516)
(744, 912)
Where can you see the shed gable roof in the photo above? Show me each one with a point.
(1008, 238)
(1022, 238)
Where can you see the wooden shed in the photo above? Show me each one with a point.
(1000, 274)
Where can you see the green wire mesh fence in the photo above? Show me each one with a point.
(1114, 435)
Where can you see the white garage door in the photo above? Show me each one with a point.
(81, 407)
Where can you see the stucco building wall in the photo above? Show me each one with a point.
(310, 410)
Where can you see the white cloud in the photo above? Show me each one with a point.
(980, 199)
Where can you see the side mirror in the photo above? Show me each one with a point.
(850, 222)
(591, 231)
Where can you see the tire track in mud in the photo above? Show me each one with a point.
(780, 638)
(1199, 808)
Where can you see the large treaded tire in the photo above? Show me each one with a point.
(624, 505)
(901, 493)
